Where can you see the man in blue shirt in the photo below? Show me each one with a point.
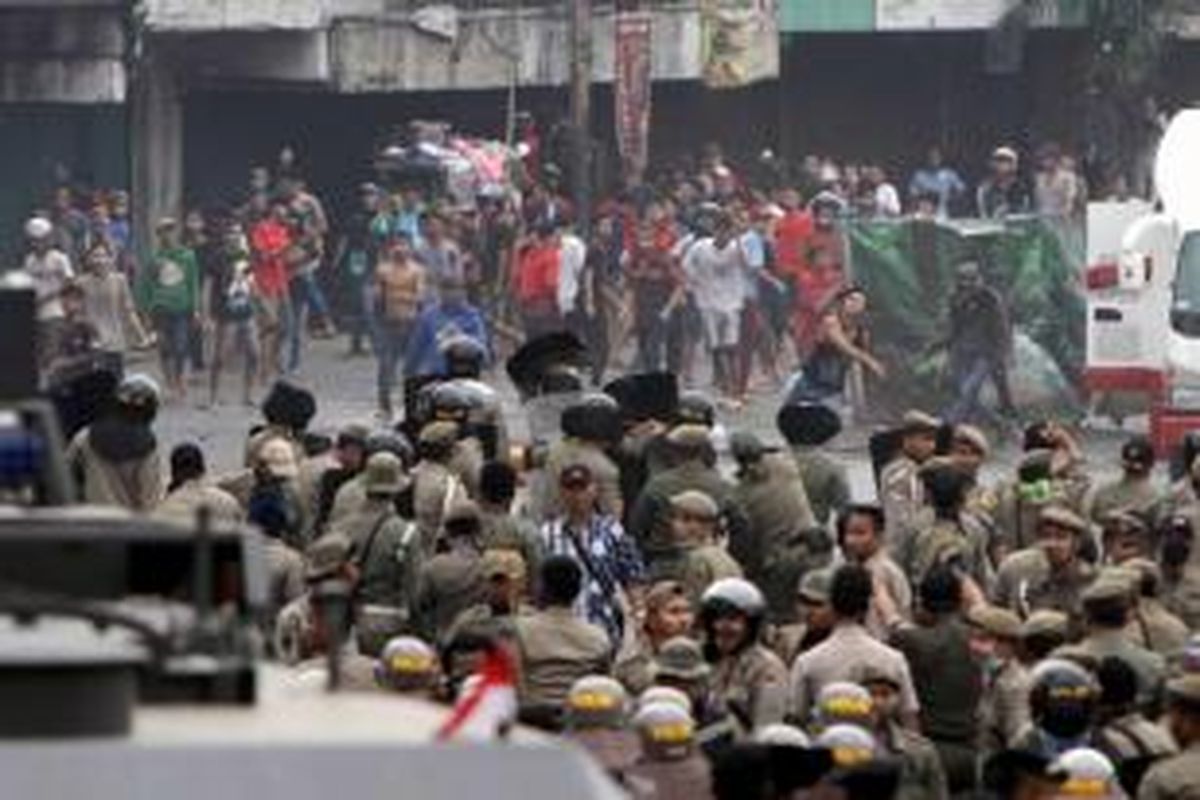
(450, 317)
(936, 180)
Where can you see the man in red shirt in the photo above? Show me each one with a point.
(654, 278)
(270, 239)
(536, 282)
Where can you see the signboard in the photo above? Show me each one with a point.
(739, 42)
(631, 86)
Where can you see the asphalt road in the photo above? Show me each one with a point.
(345, 390)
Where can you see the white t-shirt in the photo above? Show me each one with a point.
(887, 201)
(572, 257)
(715, 276)
(49, 273)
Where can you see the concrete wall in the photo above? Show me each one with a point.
(246, 15)
(374, 56)
(56, 55)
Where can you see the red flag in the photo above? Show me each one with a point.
(487, 704)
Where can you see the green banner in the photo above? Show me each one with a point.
(908, 268)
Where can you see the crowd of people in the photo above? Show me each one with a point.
(1029, 638)
(748, 267)
(683, 613)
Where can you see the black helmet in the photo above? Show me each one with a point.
(289, 406)
(393, 442)
(1063, 698)
(450, 401)
(807, 424)
(695, 408)
(594, 418)
(464, 357)
(138, 397)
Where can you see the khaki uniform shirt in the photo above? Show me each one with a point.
(902, 495)
(752, 685)
(449, 584)
(889, 574)
(825, 483)
(777, 512)
(843, 656)
(1180, 594)
(1025, 583)
(1004, 707)
(685, 779)
(184, 503)
(436, 488)
(136, 485)
(650, 520)
(921, 773)
(556, 648)
(1155, 628)
(1140, 495)
(1150, 667)
(705, 565)
(1176, 778)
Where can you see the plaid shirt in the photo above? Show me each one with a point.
(615, 559)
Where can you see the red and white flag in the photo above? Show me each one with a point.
(487, 705)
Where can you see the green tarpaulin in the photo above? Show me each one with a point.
(907, 269)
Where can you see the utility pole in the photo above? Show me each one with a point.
(580, 17)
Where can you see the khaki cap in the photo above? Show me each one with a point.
(919, 422)
(996, 621)
(462, 511)
(680, 658)
(278, 458)
(384, 475)
(695, 503)
(1063, 517)
(441, 432)
(1106, 590)
(974, 437)
(1045, 622)
(815, 585)
(1146, 570)
(504, 564)
(689, 435)
(325, 557)
(939, 464)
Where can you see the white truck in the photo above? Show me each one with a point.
(1143, 324)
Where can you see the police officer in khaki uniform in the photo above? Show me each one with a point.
(668, 613)
(671, 766)
(698, 560)
(493, 619)
(786, 540)
(1178, 556)
(747, 677)
(679, 664)
(1178, 778)
(452, 581)
(900, 489)
(815, 615)
(1004, 706)
(650, 519)
(1043, 632)
(970, 449)
(921, 773)
(1019, 502)
(1135, 490)
(386, 550)
(1151, 625)
(555, 647)
(1051, 573)
(944, 533)
(597, 717)
(1106, 606)
(807, 428)
(589, 426)
(436, 486)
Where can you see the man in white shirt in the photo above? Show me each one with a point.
(715, 270)
(572, 259)
(49, 270)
